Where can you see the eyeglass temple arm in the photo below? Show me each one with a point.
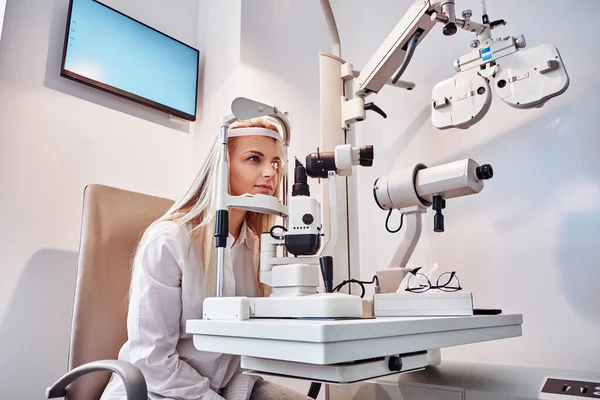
(452, 276)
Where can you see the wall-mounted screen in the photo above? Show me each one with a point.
(113, 52)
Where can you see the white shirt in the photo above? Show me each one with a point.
(167, 290)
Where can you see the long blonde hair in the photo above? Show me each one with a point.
(197, 207)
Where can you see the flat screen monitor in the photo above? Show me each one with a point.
(110, 51)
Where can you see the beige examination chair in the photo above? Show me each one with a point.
(112, 224)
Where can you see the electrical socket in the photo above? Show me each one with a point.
(563, 389)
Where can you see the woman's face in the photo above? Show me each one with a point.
(253, 165)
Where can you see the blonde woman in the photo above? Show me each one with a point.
(173, 271)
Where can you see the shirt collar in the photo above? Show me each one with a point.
(246, 236)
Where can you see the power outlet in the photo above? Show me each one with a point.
(563, 389)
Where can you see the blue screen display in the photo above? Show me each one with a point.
(115, 50)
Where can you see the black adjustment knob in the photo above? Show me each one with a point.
(395, 363)
(366, 155)
(438, 222)
(449, 29)
(366, 152)
(318, 164)
(438, 219)
(308, 219)
(374, 107)
(484, 172)
(300, 187)
(497, 23)
(327, 272)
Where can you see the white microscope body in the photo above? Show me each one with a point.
(303, 236)
(412, 192)
(294, 280)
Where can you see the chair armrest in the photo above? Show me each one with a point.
(135, 384)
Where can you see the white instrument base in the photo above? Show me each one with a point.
(328, 305)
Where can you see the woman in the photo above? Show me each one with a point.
(173, 271)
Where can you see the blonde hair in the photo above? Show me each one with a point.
(197, 207)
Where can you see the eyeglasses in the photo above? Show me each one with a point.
(419, 283)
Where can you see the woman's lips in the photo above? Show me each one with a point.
(266, 189)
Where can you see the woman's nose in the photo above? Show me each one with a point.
(268, 171)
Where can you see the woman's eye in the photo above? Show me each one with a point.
(254, 159)
(276, 164)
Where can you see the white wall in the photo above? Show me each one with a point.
(528, 242)
(219, 44)
(56, 136)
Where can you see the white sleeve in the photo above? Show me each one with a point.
(153, 325)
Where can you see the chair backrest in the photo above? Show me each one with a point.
(113, 222)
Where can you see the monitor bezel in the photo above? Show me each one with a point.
(65, 73)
